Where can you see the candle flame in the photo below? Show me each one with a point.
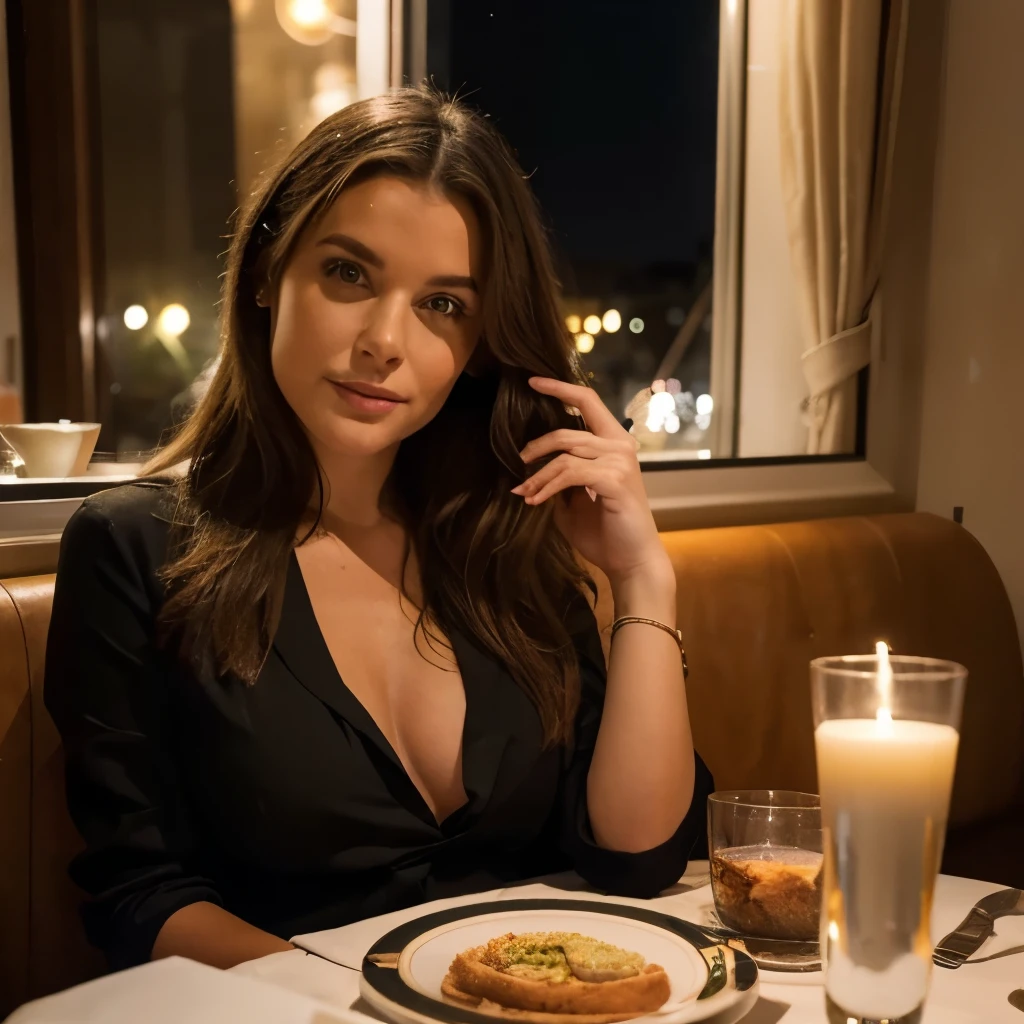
(884, 714)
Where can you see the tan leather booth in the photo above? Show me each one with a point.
(756, 604)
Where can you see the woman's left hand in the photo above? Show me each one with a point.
(604, 513)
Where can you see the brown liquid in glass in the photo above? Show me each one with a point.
(769, 891)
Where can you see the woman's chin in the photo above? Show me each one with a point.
(355, 439)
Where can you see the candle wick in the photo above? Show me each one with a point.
(884, 714)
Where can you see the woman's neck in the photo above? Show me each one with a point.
(354, 486)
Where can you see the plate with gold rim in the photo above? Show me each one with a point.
(403, 971)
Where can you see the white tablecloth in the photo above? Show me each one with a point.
(178, 991)
(297, 987)
(976, 993)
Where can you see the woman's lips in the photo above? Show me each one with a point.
(364, 403)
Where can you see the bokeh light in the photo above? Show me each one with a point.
(663, 403)
(136, 317)
(309, 13)
(173, 320)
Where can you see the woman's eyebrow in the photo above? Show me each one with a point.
(355, 248)
(366, 254)
(453, 281)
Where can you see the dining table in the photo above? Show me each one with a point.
(321, 975)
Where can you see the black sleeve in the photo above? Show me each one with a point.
(642, 875)
(103, 687)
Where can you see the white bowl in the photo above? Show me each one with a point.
(52, 449)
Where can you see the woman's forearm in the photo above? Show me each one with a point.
(209, 934)
(641, 777)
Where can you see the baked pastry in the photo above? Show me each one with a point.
(556, 977)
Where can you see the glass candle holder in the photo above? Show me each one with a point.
(886, 737)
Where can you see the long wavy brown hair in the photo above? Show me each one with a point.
(491, 566)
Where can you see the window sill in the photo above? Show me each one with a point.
(701, 495)
(18, 489)
(33, 514)
(707, 495)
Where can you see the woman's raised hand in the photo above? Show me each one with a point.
(604, 511)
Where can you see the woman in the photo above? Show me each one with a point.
(381, 485)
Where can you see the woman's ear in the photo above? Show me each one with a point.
(263, 291)
(262, 285)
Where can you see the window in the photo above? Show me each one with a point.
(137, 127)
(612, 110)
(195, 99)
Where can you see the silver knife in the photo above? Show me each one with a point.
(976, 927)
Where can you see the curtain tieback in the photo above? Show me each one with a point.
(827, 365)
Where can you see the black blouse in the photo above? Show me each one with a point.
(283, 802)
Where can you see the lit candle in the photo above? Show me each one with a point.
(885, 784)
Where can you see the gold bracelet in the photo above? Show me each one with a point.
(676, 633)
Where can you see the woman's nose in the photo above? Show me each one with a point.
(383, 334)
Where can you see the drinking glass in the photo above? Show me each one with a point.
(765, 847)
(886, 736)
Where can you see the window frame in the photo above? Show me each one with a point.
(51, 57)
(728, 246)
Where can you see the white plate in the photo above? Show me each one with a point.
(403, 971)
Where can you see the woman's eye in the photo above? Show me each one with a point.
(443, 305)
(350, 273)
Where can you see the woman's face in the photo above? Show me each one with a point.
(377, 313)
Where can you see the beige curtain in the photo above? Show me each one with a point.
(841, 67)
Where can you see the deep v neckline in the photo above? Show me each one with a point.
(358, 715)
